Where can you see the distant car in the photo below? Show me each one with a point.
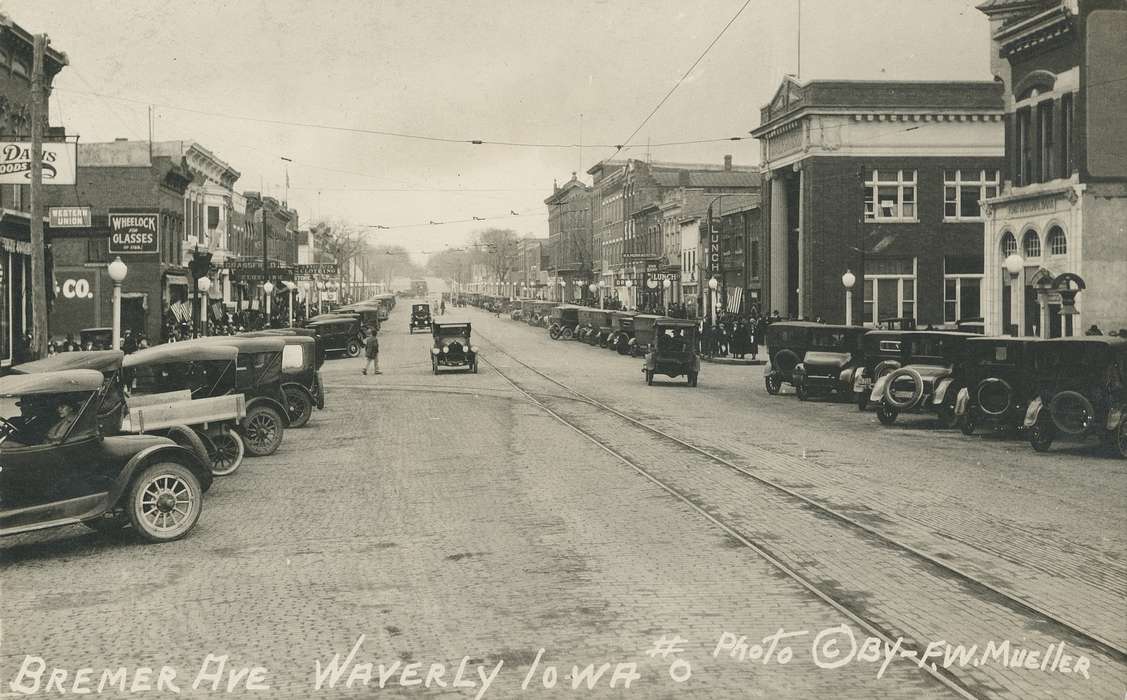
(674, 350)
(59, 469)
(787, 342)
(420, 317)
(452, 347)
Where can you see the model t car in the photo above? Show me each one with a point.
(882, 352)
(787, 342)
(562, 322)
(452, 346)
(673, 352)
(1081, 388)
(927, 380)
(340, 334)
(302, 358)
(833, 355)
(998, 382)
(645, 334)
(420, 317)
(622, 330)
(60, 469)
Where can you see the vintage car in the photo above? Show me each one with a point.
(255, 371)
(645, 334)
(622, 331)
(591, 323)
(540, 314)
(927, 379)
(60, 469)
(96, 338)
(420, 317)
(882, 352)
(833, 355)
(998, 382)
(787, 342)
(605, 329)
(367, 316)
(301, 361)
(340, 334)
(673, 352)
(452, 346)
(1081, 391)
(563, 321)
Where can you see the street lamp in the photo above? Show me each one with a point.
(117, 271)
(847, 281)
(267, 290)
(713, 285)
(1014, 265)
(203, 284)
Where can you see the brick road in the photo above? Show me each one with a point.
(447, 517)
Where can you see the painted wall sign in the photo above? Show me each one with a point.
(59, 163)
(69, 217)
(134, 232)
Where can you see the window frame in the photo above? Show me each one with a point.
(1027, 235)
(870, 307)
(1050, 243)
(902, 184)
(958, 278)
(958, 183)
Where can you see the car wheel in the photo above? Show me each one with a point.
(969, 423)
(649, 377)
(773, 384)
(262, 431)
(109, 525)
(554, 332)
(692, 379)
(228, 453)
(165, 502)
(1041, 435)
(299, 406)
(475, 366)
(353, 349)
(887, 414)
(801, 392)
(567, 334)
(187, 438)
(862, 401)
(947, 415)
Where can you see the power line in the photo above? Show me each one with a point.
(510, 215)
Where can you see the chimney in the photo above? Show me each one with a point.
(683, 178)
(727, 162)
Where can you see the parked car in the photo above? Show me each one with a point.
(673, 352)
(301, 362)
(1081, 391)
(834, 354)
(341, 334)
(452, 346)
(622, 331)
(368, 317)
(882, 352)
(59, 469)
(787, 342)
(96, 338)
(998, 382)
(645, 334)
(562, 322)
(927, 379)
(420, 317)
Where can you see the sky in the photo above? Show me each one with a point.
(239, 77)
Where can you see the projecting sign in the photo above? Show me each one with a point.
(69, 217)
(59, 162)
(316, 269)
(134, 232)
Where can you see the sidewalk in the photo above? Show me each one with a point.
(733, 361)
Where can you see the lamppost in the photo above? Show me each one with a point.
(117, 271)
(629, 284)
(847, 281)
(267, 290)
(1015, 266)
(602, 296)
(666, 285)
(290, 302)
(713, 285)
(203, 284)
(563, 286)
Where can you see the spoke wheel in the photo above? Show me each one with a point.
(262, 431)
(353, 349)
(228, 453)
(299, 406)
(165, 502)
(773, 384)
(887, 414)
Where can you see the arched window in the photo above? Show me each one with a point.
(1031, 244)
(1009, 244)
(1056, 241)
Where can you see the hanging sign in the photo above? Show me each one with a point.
(59, 162)
(134, 232)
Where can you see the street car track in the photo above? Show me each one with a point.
(1107, 647)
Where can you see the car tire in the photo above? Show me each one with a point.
(887, 414)
(298, 406)
(353, 349)
(262, 431)
(968, 424)
(946, 413)
(567, 334)
(1059, 410)
(692, 379)
(227, 453)
(1121, 438)
(187, 438)
(475, 366)
(773, 384)
(554, 332)
(917, 388)
(785, 360)
(434, 366)
(164, 502)
(1041, 435)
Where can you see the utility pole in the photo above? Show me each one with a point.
(265, 262)
(38, 244)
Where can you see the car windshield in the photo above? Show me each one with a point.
(674, 339)
(452, 333)
(202, 377)
(40, 418)
(829, 340)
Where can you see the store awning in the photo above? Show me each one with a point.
(176, 279)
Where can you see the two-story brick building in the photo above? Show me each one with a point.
(1063, 208)
(883, 179)
(571, 250)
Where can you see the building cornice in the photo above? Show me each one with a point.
(793, 120)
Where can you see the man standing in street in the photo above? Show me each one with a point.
(371, 352)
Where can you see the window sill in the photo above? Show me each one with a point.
(891, 221)
(969, 220)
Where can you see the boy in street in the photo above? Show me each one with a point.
(372, 352)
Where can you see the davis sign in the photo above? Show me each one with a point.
(134, 232)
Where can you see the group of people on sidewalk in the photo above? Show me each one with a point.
(735, 335)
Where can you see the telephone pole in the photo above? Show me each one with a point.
(38, 244)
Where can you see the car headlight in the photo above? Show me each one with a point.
(473, 349)
(434, 351)
(445, 348)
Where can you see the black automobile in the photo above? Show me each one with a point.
(622, 331)
(1081, 391)
(927, 380)
(340, 334)
(301, 363)
(674, 351)
(369, 317)
(787, 342)
(834, 354)
(452, 348)
(420, 317)
(563, 321)
(60, 469)
(998, 382)
(882, 352)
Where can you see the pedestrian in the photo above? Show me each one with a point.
(371, 352)
(753, 337)
(442, 308)
(1094, 330)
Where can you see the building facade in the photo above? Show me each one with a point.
(883, 179)
(1061, 216)
(570, 246)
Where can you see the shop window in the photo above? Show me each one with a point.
(1031, 244)
(1056, 241)
(889, 289)
(962, 297)
(890, 195)
(964, 191)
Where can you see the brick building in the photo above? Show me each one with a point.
(739, 269)
(1063, 207)
(570, 246)
(883, 179)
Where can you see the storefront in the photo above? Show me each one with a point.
(15, 309)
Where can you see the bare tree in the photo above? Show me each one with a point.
(496, 249)
(340, 241)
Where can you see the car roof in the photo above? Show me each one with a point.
(243, 343)
(440, 324)
(267, 332)
(676, 322)
(1003, 338)
(61, 382)
(181, 352)
(1112, 342)
(333, 318)
(99, 360)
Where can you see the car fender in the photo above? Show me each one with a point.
(1033, 412)
(768, 368)
(962, 400)
(272, 403)
(940, 391)
(878, 387)
(303, 389)
(1114, 417)
(846, 376)
(156, 453)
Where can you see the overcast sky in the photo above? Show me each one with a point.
(496, 70)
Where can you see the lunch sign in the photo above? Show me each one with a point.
(135, 231)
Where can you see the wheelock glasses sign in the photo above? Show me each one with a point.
(134, 232)
(59, 163)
